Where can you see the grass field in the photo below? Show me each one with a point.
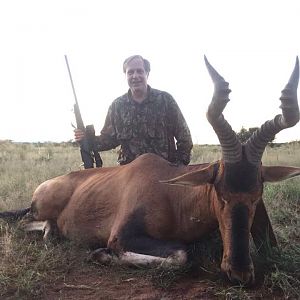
(31, 270)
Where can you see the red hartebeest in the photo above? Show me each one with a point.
(136, 214)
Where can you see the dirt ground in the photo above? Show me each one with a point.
(95, 286)
(113, 283)
(66, 272)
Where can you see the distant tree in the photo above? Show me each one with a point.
(244, 134)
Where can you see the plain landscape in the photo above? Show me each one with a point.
(29, 269)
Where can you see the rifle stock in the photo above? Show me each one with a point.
(88, 151)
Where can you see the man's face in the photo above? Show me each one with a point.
(136, 75)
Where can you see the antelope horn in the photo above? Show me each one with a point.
(257, 143)
(231, 146)
(289, 101)
(215, 76)
(221, 91)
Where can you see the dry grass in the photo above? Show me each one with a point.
(28, 267)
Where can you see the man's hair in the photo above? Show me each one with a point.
(130, 58)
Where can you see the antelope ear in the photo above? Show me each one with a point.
(278, 173)
(194, 178)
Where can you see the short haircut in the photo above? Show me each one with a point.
(130, 58)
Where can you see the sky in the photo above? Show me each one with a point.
(252, 44)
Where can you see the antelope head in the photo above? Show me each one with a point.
(239, 180)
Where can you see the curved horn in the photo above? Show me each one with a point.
(257, 143)
(289, 101)
(231, 146)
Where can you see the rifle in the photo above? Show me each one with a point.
(88, 151)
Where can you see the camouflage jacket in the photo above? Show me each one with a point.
(151, 126)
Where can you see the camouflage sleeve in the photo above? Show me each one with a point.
(107, 139)
(181, 132)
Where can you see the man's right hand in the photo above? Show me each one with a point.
(79, 135)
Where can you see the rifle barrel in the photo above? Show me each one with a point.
(88, 154)
(70, 75)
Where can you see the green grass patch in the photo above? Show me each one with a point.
(28, 267)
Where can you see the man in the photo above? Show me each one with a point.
(144, 120)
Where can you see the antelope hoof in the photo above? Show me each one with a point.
(246, 278)
(102, 255)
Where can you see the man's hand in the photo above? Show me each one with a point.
(79, 135)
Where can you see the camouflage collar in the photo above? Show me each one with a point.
(149, 98)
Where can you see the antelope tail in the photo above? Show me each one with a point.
(14, 215)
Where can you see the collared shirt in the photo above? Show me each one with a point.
(155, 125)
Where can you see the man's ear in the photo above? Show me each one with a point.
(278, 173)
(193, 178)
